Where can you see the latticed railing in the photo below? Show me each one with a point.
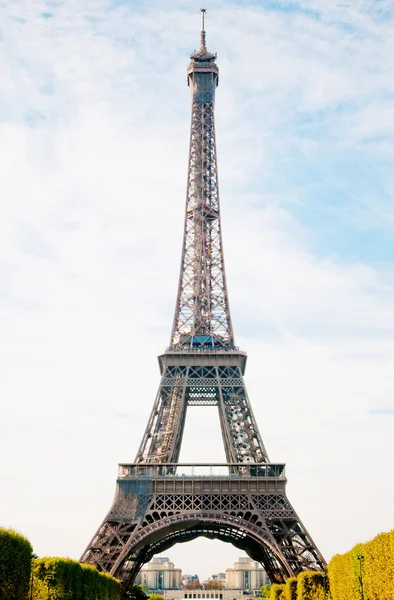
(205, 350)
(198, 470)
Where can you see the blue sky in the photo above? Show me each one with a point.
(94, 125)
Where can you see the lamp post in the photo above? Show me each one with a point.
(324, 575)
(360, 557)
(33, 558)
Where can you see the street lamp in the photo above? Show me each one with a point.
(361, 558)
(33, 558)
(324, 575)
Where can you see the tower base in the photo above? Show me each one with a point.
(159, 505)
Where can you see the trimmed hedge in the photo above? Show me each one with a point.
(344, 579)
(311, 586)
(277, 591)
(376, 567)
(66, 579)
(15, 565)
(291, 589)
(99, 586)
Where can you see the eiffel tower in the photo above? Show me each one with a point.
(160, 502)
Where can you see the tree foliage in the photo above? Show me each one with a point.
(66, 579)
(194, 585)
(15, 565)
(137, 592)
(277, 591)
(311, 585)
(213, 584)
(370, 564)
(265, 590)
(291, 589)
(155, 597)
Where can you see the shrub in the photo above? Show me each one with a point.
(15, 565)
(375, 569)
(291, 589)
(378, 567)
(108, 587)
(277, 591)
(343, 574)
(57, 579)
(312, 586)
(65, 579)
(137, 592)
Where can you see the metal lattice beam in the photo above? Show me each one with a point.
(202, 315)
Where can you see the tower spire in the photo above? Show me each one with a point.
(203, 47)
(202, 315)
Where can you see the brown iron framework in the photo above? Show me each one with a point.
(158, 501)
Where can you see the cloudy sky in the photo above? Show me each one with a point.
(94, 126)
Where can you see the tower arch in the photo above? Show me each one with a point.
(242, 534)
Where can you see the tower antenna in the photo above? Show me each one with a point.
(203, 34)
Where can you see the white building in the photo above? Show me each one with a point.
(246, 574)
(204, 595)
(160, 574)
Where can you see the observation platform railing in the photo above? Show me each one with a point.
(202, 470)
(205, 350)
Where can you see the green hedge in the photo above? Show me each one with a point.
(65, 579)
(344, 579)
(376, 568)
(312, 586)
(291, 589)
(277, 591)
(15, 565)
(99, 586)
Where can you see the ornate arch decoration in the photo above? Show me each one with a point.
(162, 534)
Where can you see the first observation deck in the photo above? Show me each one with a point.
(264, 471)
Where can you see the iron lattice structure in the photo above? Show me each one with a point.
(158, 501)
(202, 315)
